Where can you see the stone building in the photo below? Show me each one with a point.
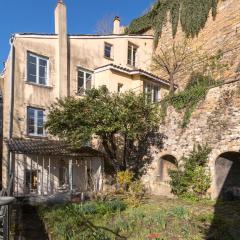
(43, 67)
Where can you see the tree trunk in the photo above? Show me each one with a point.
(171, 80)
(111, 154)
(125, 153)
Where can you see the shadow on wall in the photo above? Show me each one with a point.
(226, 220)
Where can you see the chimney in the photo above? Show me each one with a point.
(116, 25)
(60, 18)
(62, 49)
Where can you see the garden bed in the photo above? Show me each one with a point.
(155, 218)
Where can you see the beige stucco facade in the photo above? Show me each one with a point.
(66, 54)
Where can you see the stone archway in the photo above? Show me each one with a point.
(227, 175)
(167, 162)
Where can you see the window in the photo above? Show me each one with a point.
(132, 54)
(120, 86)
(152, 91)
(84, 81)
(35, 120)
(37, 69)
(108, 50)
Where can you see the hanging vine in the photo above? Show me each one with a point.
(192, 15)
(188, 99)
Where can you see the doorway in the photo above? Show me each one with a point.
(31, 181)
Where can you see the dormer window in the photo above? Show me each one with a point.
(84, 81)
(108, 50)
(37, 69)
(132, 54)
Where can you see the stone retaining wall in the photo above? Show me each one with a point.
(216, 121)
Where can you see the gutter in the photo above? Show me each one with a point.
(11, 108)
(84, 36)
(11, 87)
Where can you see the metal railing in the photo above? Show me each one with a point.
(5, 211)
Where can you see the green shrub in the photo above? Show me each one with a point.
(115, 205)
(179, 212)
(90, 208)
(124, 179)
(201, 181)
(191, 179)
(136, 192)
(102, 208)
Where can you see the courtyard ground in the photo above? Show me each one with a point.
(156, 218)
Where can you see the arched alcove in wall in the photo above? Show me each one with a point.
(227, 175)
(167, 162)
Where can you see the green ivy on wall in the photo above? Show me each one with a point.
(192, 15)
(188, 99)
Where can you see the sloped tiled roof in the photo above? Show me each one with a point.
(133, 72)
(48, 147)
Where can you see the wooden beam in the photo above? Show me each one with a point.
(70, 169)
(37, 175)
(49, 174)
(30, 175)
(42, 175)
(86, 174)
(17, 173)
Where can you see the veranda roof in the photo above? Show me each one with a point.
(49, 147)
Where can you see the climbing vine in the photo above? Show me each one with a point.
(206, 74)
(188, 99)
(192, 15)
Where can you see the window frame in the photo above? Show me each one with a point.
(152, 91)
(132, 62)
(85, 71)
(111, 50)
(35, 134)
(38, 58)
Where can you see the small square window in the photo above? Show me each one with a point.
(108, 50)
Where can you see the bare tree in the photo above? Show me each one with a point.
(105, 25)
(171, 59)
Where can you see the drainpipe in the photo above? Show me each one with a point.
(11, 106)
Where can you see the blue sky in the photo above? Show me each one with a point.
(83, 15)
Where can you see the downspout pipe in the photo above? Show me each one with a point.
(11, 109)
(11, 87)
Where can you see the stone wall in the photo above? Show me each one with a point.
(221, 34)
(215, 122)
